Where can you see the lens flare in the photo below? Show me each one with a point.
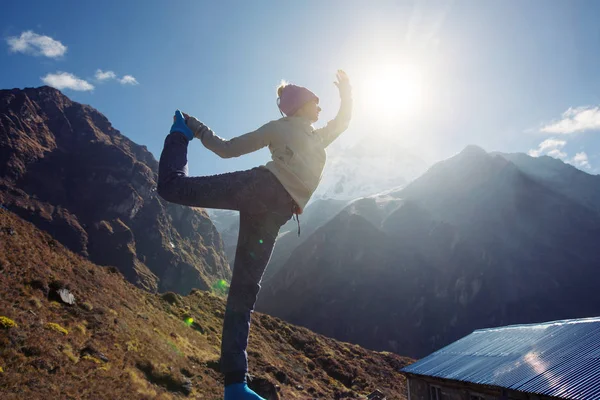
(222, 284)
(220, 287)
(189, 321)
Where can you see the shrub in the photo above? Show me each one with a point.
(133, 345)
(34, 301)
(6, 323)
(71, 356)
(92, 359)
(55, 305)
(81, 329)
(57, 328)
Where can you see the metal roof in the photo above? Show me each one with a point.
(559, 358)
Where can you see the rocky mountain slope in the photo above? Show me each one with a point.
(477, 241)
(563, 178)
(67, 170)
(70, 329)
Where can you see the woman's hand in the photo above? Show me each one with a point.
(343, 82)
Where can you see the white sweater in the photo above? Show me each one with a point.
(297, 149)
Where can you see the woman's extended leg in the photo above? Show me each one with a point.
(224, 191)
(255, 245)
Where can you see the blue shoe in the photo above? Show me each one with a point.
(240, 391)
(180, 126)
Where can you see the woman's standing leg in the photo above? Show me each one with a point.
(255, 245)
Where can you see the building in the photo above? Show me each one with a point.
(552, 360)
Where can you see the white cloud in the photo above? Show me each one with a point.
(110, 75)
(581, 160)
(105, 75)
(551, 147)
(65, 80)
(554, 148)
(576, 120)
(128, 80)
(556, 153)
(31, 43)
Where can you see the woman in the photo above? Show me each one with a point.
(266, 198)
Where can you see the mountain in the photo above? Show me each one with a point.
(561, 177)
(366, 168)
(106, 339)
(477, 241)
(65, 168)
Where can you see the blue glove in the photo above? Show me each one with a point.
(180, 126)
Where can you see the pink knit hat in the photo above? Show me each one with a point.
(293, 98)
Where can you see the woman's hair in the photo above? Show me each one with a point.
(282, 84)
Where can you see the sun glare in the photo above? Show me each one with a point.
(394, 91)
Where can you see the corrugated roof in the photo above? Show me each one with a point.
(559, 358)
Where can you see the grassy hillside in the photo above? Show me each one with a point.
(120, 342)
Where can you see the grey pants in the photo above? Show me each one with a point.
(264, 206)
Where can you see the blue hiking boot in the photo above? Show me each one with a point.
(240, 391)
(179, 125)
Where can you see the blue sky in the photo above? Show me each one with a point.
(505, 75)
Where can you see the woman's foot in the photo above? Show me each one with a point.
(240, 391)
(179, 125)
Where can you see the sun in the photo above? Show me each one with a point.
(393, 91)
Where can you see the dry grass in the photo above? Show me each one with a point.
(134, 345)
